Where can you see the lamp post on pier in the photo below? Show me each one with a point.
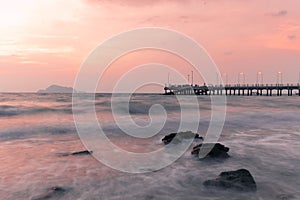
(192, 78)
(226, 78)
(243, 77)
(279, 78)
(259, 78)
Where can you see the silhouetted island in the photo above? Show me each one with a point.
(57, 89)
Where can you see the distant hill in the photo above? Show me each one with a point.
(57, 89)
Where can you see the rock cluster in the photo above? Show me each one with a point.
(240, 179)
(177, 137)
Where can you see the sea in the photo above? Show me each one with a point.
(38, 136)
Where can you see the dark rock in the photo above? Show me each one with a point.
(168, 138)
(76, 153)
(80, 153)
(217, 151)
(240, 180)
(179, 136)
(52, 193)
(197, 136)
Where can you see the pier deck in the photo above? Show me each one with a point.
(235, 89)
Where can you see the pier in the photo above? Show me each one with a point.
(235, 89)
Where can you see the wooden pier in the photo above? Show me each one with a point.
(236, 89)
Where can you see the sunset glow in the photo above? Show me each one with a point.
(14, 13)
(45, 42)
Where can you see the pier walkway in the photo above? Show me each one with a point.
(235, 89)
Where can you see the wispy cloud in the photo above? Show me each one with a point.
(52, 36)
(283, 37)
(280, 13)
(291, 37)
(184, 18)
(21, 50)
(228, 53)
(30, 62)
(139, 3)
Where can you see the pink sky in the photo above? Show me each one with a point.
(44, 42)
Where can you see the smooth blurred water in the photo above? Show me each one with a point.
(263, 134)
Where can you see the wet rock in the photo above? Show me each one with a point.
(80, 153)
(197, 136)
(76, 153)
(168, 138)
(218, 150)
(52, 193)
(177, 137)
(240, 180)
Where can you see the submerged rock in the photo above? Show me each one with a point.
(179, 136)
(218, 150)
(240, 180)
(76, 153)
(285, 196)
(52, 193)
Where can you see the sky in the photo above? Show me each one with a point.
(44, 42)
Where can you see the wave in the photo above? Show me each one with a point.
(23, 132)
(6, 110)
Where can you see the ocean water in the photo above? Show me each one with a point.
(263, 134)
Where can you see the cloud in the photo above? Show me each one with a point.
(139, 3)
(184, 19)
(52, 36)
(30, 62)
(280, 13)
(150, 19)
(291, 37)
(228, 53)
(21, 50)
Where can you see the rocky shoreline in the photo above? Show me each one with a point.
(240, 179)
